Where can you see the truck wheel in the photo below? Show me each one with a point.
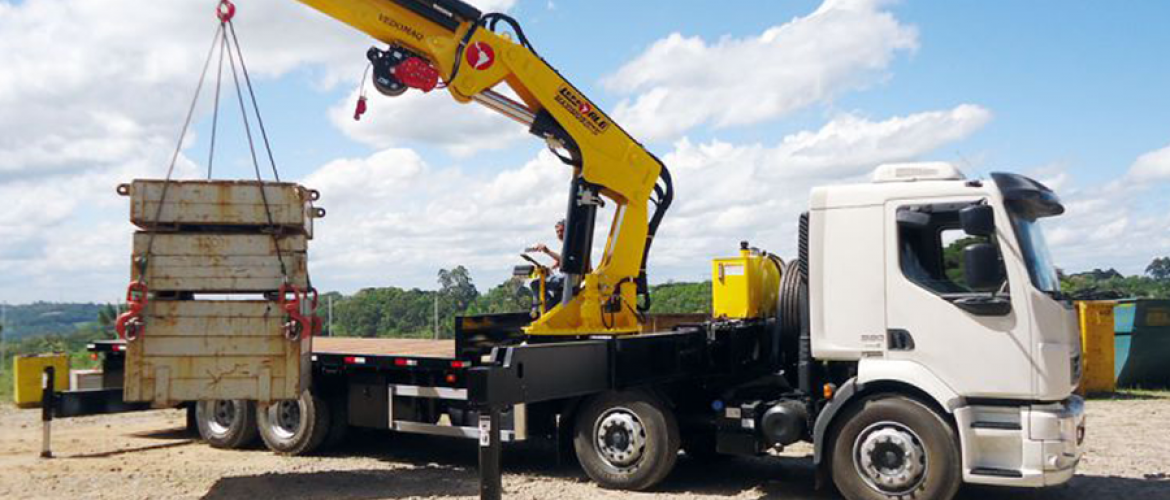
(893, 447)
(626, 440)
(226, 423)
(295, 426)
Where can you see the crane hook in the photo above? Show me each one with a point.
(225, 11)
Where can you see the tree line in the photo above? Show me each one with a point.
(398, 312)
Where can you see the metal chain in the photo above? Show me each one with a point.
(255, 106)
(215, 108)
(175, 157)
(255, 161)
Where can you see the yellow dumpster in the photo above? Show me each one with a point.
(27, 371)
(1097, 355)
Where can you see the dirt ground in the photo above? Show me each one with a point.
(149, 455)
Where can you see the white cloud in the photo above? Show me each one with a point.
(682, 82)
(1151, 167)
(1123, 225)
(727, 192)
(94, 94)
(395, 219)
(433, 118)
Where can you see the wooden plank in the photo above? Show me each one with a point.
(184, 367)
(159, 326)
(220, 263)
(213, 308)
(216, 244)
(215, 203)
(231, 388)
(229, 274)
(153, 346)
(217, 191)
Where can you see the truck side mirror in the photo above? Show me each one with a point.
(978, 220)
(981, 268)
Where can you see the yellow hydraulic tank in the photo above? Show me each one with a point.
(1097, 350)
(27, 371)
(746, 286)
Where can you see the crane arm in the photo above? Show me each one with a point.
(450, 44)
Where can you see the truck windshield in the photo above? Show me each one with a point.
(1036, 256)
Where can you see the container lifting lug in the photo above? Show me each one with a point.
(291, 300)
(129, 324)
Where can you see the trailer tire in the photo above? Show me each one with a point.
(626, 440)
(226, 423)
(294, 427)
(892, 447)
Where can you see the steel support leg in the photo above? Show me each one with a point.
(47, 403)
(490, 487)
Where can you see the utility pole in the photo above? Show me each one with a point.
(436, 320)
(330, 312)
(3, 346)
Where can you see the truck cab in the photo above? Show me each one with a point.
(940, 287)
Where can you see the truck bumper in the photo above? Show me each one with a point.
(1026, 446)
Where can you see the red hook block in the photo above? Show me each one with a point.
(225, 11)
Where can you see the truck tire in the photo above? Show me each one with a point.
(226, 423)
(626, 440)
(893, 447)
(294, 427)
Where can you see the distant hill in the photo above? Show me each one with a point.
(45, 318)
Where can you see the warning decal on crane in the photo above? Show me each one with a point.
(582, 110)
(481, 56)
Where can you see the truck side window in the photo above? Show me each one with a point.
(930, 247)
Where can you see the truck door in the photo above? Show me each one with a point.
(976, 352)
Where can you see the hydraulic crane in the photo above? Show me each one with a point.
(451, 45)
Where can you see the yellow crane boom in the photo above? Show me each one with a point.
(449, 41)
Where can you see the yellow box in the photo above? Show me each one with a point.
(744, 287)
(27, 372)
(1097, 349)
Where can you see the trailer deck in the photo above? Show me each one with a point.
(413, 348)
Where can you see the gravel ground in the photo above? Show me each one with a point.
(149, 455)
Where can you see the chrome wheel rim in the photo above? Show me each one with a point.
(286, 418)
(620, 438)
(890, 458)
(223, 413)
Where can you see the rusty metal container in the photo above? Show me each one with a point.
(202, 203)
(198, 350)
(220, 263)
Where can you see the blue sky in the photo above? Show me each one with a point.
(1075, 83)
(1070, 92)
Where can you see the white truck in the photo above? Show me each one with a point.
(919, 342)
(948, 369)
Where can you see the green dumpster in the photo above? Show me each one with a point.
(1142, 343)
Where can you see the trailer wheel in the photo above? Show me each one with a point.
(296, 426)
(893, 447)
(226, 423)
(626, 440)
